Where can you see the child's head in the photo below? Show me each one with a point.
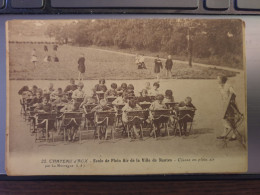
(156, 85)
(130, 87)
(144, 93)
(38, 94)
(45, 100)
(113, 85)
(80, 86)
(103, 102)
(34, 87)
(169, 57)
(168, 94)
(123, 86)
(51, 86)
(147, 85)
(158, 57)
(159, 98)
(188, 100)
(59, 90)
(72, 81)
(102, 81)
(222, 80)
(132, 103)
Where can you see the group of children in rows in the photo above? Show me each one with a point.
(73, 98)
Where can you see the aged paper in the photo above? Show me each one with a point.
(126, 97)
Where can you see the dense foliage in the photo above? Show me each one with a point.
(216, 42)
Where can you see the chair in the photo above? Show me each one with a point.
(44, 122)
(136, 118)
(72, 122)
(118, 108)
(184, 115)
(161, 117)
(103, 120)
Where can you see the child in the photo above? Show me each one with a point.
(100, 86)
(168, 97)
(119, 99)
(131, 106)
(56, 94)
(144, 96)
(71, 87)
(156, 105)
(155, 90)
(45, 106)
(51, 88)
(102, 107)
(122, 88)
(73, 106)
(112, 92)
(78, 93)
(89, 99)
(129, 91)
(186, 110)
(36, 100)
(34, 90)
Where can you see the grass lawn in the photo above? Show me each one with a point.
(99, 64)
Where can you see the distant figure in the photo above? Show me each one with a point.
(45, 48)
(34, 59)
(157, 66)
(81, 67)
(141, 60)
(168, 66)
(55, 47)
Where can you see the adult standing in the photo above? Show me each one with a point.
(226, 92)
(81, 67)
(168, 66)
(157, 66)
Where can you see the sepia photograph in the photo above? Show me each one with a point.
(126, 97)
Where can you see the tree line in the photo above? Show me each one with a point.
(218, 42)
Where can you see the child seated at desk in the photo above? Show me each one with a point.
(129, 91)
(100, 86)
(186, 108)
(89, 99)
(79, 93)
(36, 100)
(156, 105)
(144, 96)
(45, 106)
(112, 91)
(131, 106)
(168, 97)
(155, 90)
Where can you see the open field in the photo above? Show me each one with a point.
(99, 64)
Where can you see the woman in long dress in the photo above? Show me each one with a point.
(81, 67)
(168, 66)
(34, 59)
(157, 67)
